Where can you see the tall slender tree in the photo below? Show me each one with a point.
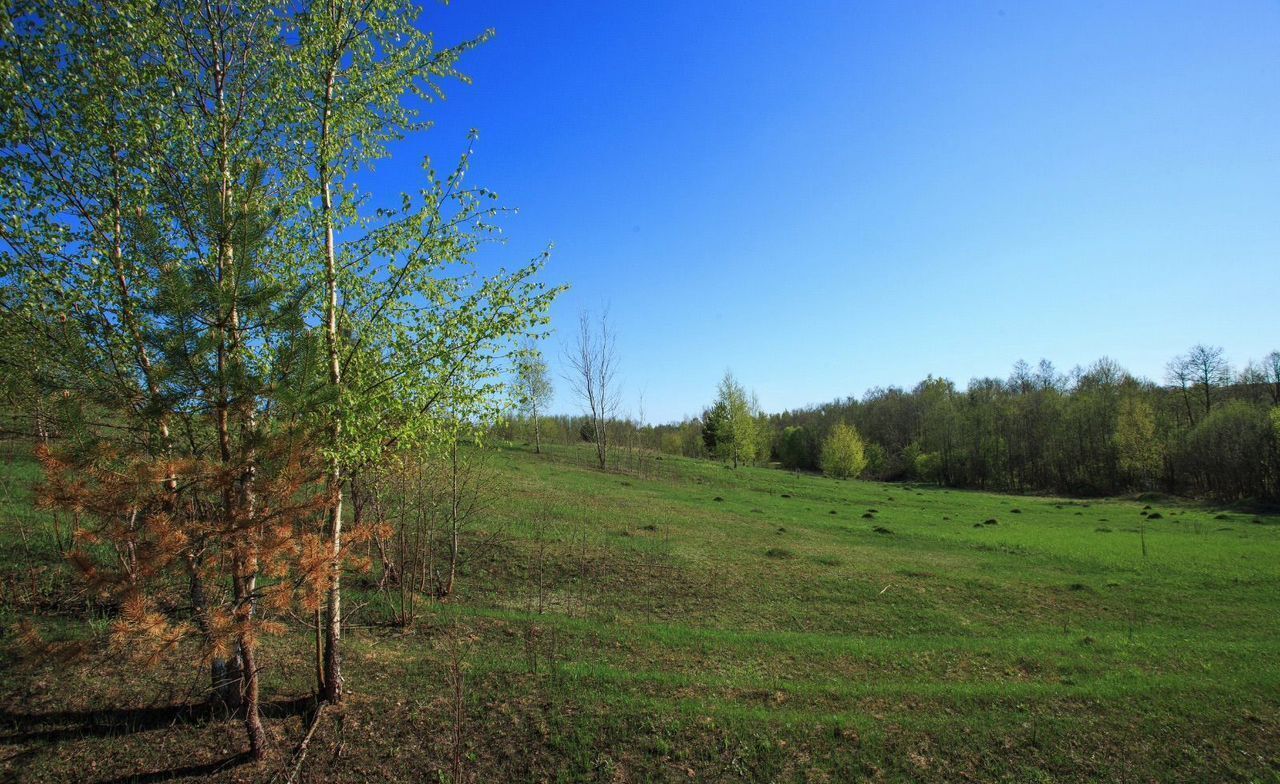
(363, 65)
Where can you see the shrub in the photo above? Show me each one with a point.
(929, 467)
(798, 448)
(843, 452)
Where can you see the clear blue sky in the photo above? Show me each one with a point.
(830, 196)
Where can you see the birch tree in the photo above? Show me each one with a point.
(534, 387)
(390, 362)
(733, 420)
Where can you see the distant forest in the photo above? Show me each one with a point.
(1208, 431)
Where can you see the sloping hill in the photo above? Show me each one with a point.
(700, 623)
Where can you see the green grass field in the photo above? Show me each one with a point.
(705, 624)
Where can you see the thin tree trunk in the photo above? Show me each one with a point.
(331, 687)
(319, 651)
(232, 680)
(249, 671)
(248, 587)
(447, 590)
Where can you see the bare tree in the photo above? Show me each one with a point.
(1199, 374)
(1253, 382)
(1178, 373)
(468, 488)
(1260, 381)
(593, 365)
(1209, 371)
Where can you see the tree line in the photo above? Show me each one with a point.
(1097, 430)
(1208, 431)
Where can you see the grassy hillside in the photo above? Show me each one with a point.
(704, 624)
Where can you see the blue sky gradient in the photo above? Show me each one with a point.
(830, 196)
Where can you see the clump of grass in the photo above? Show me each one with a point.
(868, 516)
(873, 511)
(1103, 530)
(991, 521)
(832, 512)
(880, 529)
(782, 530)
(786, 495)
(1221, 517)
(1015, 510)
(779, 552)
(1155, 516)
(649, 527)
(717, 498)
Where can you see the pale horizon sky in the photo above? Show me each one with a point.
(831, 196)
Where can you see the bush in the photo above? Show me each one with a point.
(929, 467)
(878, 464)
(843, 452)
(797, 448)
(1228, 454)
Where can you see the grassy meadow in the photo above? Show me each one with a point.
(688, 622)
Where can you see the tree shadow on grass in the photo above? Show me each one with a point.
(68, 725)
(188, 771)
(56, 726)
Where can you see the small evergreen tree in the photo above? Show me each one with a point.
(713, 422)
